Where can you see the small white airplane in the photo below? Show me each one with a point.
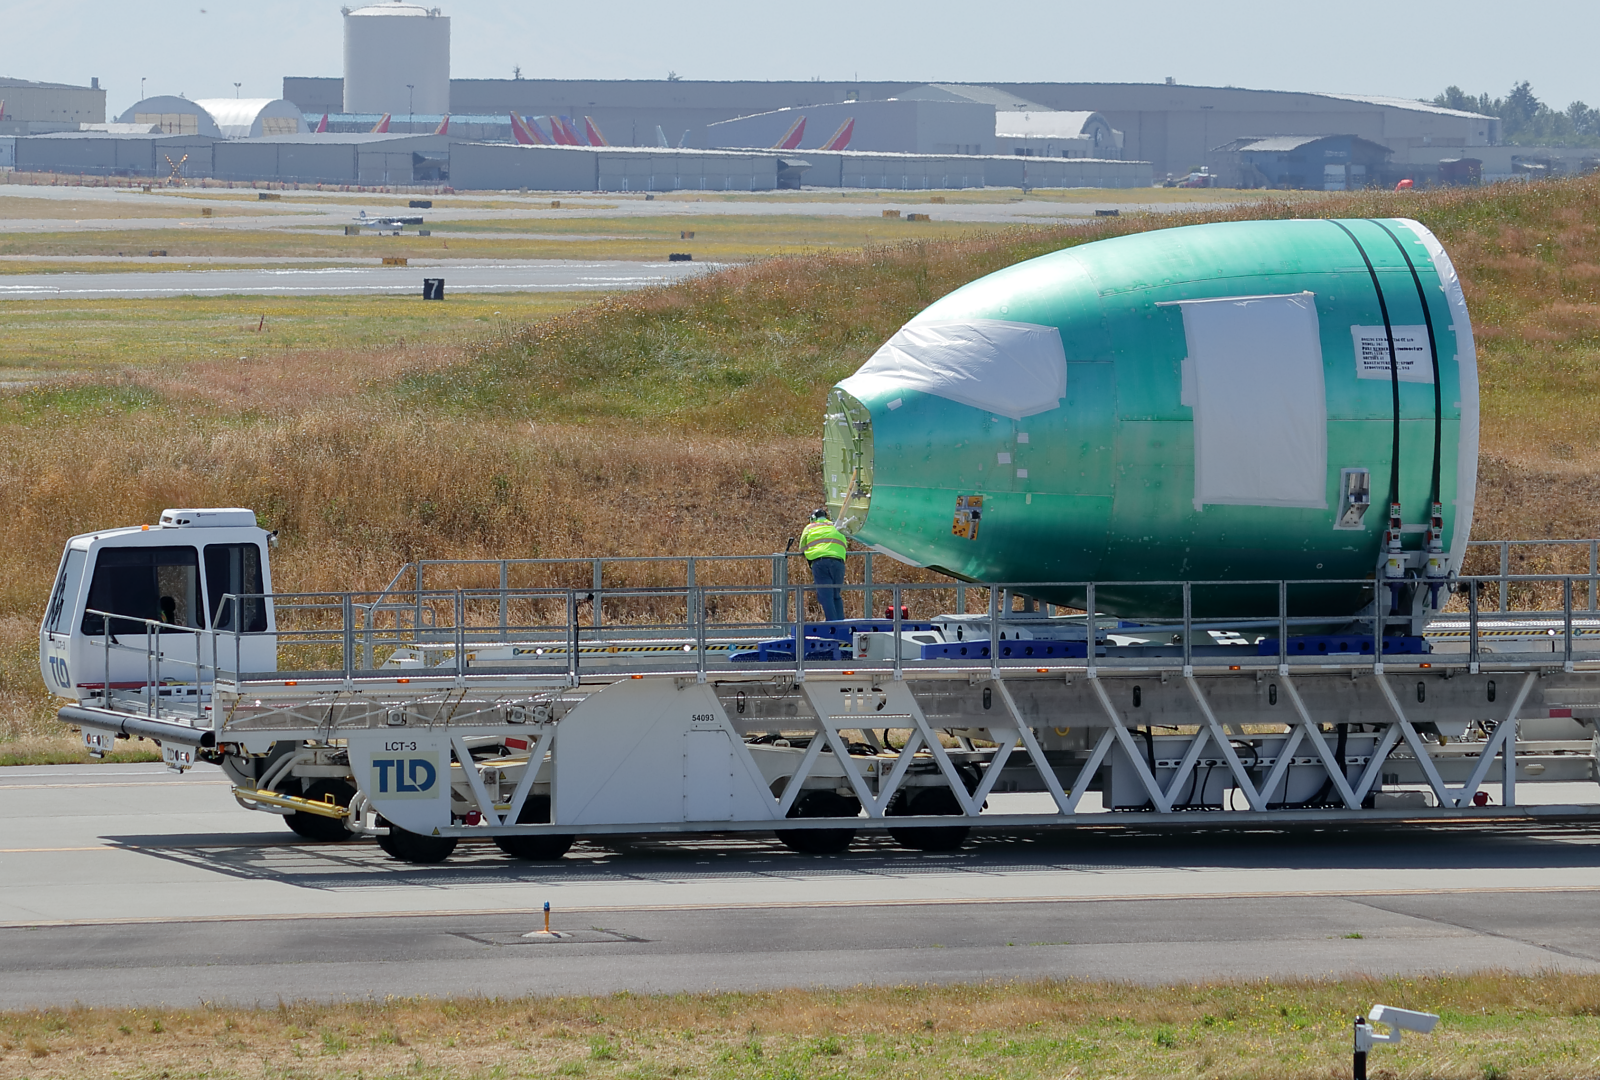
(385, 224)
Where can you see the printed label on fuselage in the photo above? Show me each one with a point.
(1413, 361)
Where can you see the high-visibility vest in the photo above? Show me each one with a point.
(823, 540)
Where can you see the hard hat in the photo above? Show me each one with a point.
(819, 514)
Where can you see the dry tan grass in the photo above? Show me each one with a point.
(683, 420)
(1533, 1028)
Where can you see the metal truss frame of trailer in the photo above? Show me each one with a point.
(452, 713)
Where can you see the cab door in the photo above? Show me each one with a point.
(239, 608)
(55, 632)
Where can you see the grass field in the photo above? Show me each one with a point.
(75, 337)
(673, 421)
(99, 208)
(1492, 1027)
(556, 237)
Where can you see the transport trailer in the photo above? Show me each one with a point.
(1179, 437)
(531, 715)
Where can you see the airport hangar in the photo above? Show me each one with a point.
(36, 107)
(437, 160)
(1171, 126)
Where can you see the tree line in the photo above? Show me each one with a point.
(1527, 120)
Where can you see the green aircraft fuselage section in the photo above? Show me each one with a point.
(1102, 487)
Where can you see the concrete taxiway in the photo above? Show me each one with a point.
(530, 275)
(128, 885)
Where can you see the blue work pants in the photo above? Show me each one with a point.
(829, 572)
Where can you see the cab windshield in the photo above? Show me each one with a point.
(155, 583)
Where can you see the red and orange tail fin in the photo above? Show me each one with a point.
(444, 126)
(382, 126)
(526, 132)
(592, 130)
(322, 125)
(2, 108)
(792, 137)
(561, 129)
(841, 138)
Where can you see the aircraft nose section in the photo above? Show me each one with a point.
(847, 459)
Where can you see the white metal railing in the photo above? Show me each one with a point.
(573, 633)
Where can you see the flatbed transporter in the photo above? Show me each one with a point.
(533, 702)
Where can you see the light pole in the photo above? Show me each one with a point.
(236, 90)
(141, 87)
(411, 107)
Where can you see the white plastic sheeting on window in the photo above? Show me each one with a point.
(1012, 369)
(1260, 408)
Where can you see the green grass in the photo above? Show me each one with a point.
(1530, 1028)
(682, 419)
(46, 337)
(557, 237)
(755, 349)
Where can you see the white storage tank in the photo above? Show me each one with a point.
(390, 46)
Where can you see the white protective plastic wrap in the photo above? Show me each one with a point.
(1012, 369)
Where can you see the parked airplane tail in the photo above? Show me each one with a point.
(683, 140)
(792, 137)
(661, 137)
(444, 126)
(322, 125)
(592, 130)
(563, 128)
(526, 132)
(841, 138)
(382, 126)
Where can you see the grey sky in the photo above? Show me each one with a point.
(202, 47)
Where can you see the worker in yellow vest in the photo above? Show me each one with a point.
(824, 546)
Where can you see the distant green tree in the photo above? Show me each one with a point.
(1527, 121)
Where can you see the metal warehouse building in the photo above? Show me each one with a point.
(498, 166)
(1330, 163)
(96, 153)
(372, 160)
(895, 127)
(38, 107)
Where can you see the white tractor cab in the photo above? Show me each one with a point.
(183, 598)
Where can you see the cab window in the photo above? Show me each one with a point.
(158, 583)
(235, 570)
(58, 616)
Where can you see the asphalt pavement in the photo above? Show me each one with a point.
(530, 275)
(129, 885)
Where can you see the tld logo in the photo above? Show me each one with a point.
(403, 777)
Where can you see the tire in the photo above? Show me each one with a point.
(407, 846)
(324, 830)
(820, 841)
(535, 848)
(931, 801)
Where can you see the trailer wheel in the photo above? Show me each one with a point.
(535, 848)
(407, 846)
(927, 802)
(316, 827)
(820, 841)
